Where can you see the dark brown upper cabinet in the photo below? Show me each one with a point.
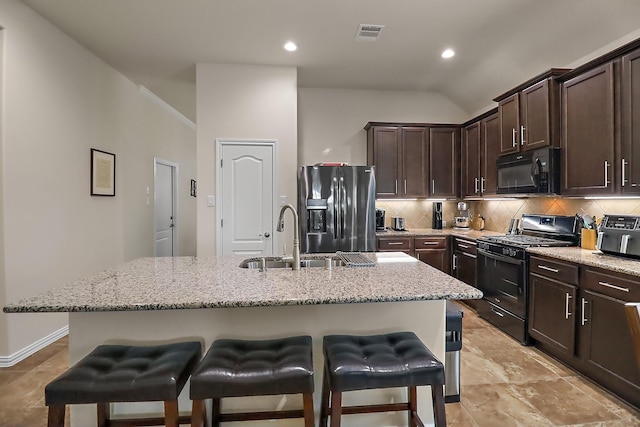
(630, 160)
(589, 132)
(413, 160)
(480, 149)
(529, 115)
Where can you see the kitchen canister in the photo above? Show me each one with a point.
(588, 240)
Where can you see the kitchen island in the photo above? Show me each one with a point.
(152, 300)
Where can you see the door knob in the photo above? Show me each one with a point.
(266, 234)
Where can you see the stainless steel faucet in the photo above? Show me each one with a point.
(296, 233)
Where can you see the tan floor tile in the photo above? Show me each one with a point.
(562, 403)
(457, 416)
(552, 364)
(497, 405)
(612, 403)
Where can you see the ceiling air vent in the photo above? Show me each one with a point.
(368, 32)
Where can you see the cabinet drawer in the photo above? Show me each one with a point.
(463, 245)
(557, 270)
(395, 243)
(620, 286)
(430, 243)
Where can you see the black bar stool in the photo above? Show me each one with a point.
(235, 368)
(397, 359)
(124, 373)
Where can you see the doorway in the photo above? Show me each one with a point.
(165, 218)
(246, 181)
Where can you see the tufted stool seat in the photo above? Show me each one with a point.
(234, 368)
(397, 359)
(125, 373)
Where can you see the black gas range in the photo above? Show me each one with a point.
(502, 269)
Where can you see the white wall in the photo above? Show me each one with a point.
(59, 101)
(331, 121)
(245, 102)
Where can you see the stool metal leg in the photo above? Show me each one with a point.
(309, 418)
(324, 401)
(439, 414)
(171, 413)
(56, 415)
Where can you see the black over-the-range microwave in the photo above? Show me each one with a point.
(530, 172)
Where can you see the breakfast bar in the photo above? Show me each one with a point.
(160, 300)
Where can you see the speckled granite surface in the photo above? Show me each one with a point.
(591, 257)
(472, 234)
(192, 283)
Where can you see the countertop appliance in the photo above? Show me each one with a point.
(530, 172)
(620, 235)
(398, 223)
(502, 269)
(462, 220)
(380, 217)
(436, 219)
(337, 208)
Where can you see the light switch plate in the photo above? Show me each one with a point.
(211, 201)
(283, 200)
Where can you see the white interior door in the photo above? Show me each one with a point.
(164, 208)
(246, 178)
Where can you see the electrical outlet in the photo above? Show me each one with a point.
(211, 201)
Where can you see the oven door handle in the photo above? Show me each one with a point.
(500, 257)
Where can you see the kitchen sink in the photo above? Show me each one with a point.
(252, 263)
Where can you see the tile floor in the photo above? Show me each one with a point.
(503, 384)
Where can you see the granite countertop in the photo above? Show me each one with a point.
(591, 257)
(210, 282)
(413, 232)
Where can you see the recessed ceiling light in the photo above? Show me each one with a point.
(290, 46)
(448, 53)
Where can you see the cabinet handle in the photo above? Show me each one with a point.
(544, 267)
(396, 186)
(395, 243)
(481, 184)
(617, 288)
(498, 313)
(455, 261)
(566, 306)
(522, 129)
(623, 172)
(606, 173)
(463, 246)
(584, 319)
(469, 255)
(430, 243)
(513, 137)
(476, 185)
(405, 187)
(433, 186)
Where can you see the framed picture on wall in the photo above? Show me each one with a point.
(103, 173)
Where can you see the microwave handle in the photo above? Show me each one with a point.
(537, 164)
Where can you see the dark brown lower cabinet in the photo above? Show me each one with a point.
(464, 264)
(433, 251)
(585, 326)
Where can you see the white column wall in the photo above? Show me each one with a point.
(244, 102)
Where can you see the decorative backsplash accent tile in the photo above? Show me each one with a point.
(497, 213)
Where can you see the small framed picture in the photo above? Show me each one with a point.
(103, 173)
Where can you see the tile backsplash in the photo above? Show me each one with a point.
(418, 213)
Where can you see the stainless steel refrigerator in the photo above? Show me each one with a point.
(336, 205)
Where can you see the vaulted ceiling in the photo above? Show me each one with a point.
(498, 43)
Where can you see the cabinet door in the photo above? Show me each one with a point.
(535, 127)
(606, 346)
(385, 158)
(552, 311)
(470, 160)
(414, 162)
(630, 161)
(464, 268)
(588, 133)
(443, 162)
(489, 155)
(509, 113)
(436, 258)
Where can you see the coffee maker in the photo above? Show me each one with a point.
(380, 219)
(462, 220)
(436, 220)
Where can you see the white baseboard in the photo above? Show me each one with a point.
(8, 361)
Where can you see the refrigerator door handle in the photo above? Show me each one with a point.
(336, 199)
(343, 207)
